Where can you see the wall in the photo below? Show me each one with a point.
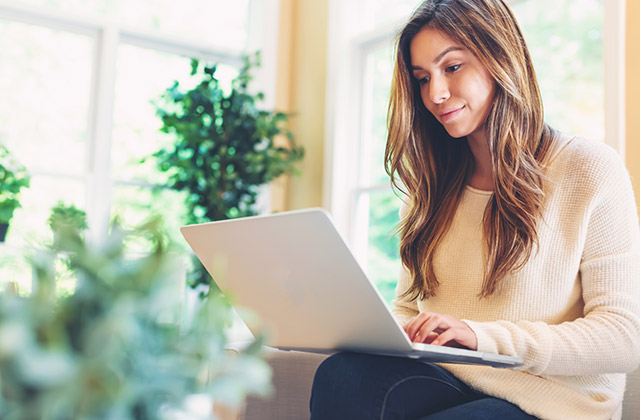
(633, 94)
(300, 89)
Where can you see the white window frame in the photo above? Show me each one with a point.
(108, 35)
(346, 64)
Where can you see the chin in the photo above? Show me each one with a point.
(457, 134)
(455, 130)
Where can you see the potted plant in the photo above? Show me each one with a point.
(106, 351)
(224, 148)
(13, 178)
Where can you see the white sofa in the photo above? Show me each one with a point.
(293, 376)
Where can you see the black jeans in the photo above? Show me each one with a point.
(353, 386)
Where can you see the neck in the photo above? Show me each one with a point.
(482, 177)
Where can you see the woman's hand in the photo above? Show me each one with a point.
(440, 330)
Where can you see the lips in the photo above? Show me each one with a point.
(450, 114)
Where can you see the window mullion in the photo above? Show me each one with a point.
(262, 32)
(49, 18)
(344, 97)
(176, 46)
(99, 186)
(262, 35)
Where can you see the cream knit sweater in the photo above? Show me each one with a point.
(573, 312)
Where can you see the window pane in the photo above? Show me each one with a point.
(214, 22)
(565, 40)
(382, 262)
(133, 205)
(142, 76)
(45, 79)
(28, 227)
(377, 85)
(377, 13)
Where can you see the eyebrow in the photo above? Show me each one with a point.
(441, 55)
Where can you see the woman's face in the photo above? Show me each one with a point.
(455, 87)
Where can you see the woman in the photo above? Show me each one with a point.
(515, 239)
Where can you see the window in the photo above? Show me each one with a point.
(565, 41)
(78, 80)
(40, 116)
(577, 80)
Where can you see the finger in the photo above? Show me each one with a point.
(414, 326)
(407, 324)
(436, 324)
(445, 337)
(428, 339)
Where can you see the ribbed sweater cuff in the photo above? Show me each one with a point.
(485, 343)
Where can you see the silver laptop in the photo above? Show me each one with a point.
(296, 273)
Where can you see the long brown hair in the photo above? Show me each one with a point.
(433, 168)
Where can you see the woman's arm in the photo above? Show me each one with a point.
(606, 339)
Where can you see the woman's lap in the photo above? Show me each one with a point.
(361, 386)
(488, 408)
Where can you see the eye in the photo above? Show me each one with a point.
(424, 80)
(453, 69)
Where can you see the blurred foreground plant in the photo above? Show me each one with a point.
(104, 352)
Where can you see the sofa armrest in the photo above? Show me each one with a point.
(631, 402)
(293, 374)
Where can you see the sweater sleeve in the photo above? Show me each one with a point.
(606, 339)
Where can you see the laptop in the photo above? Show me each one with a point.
(296, 273)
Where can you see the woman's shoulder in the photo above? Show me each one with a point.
(584, 151)
(586, 161)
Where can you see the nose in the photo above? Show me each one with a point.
(438, 90)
